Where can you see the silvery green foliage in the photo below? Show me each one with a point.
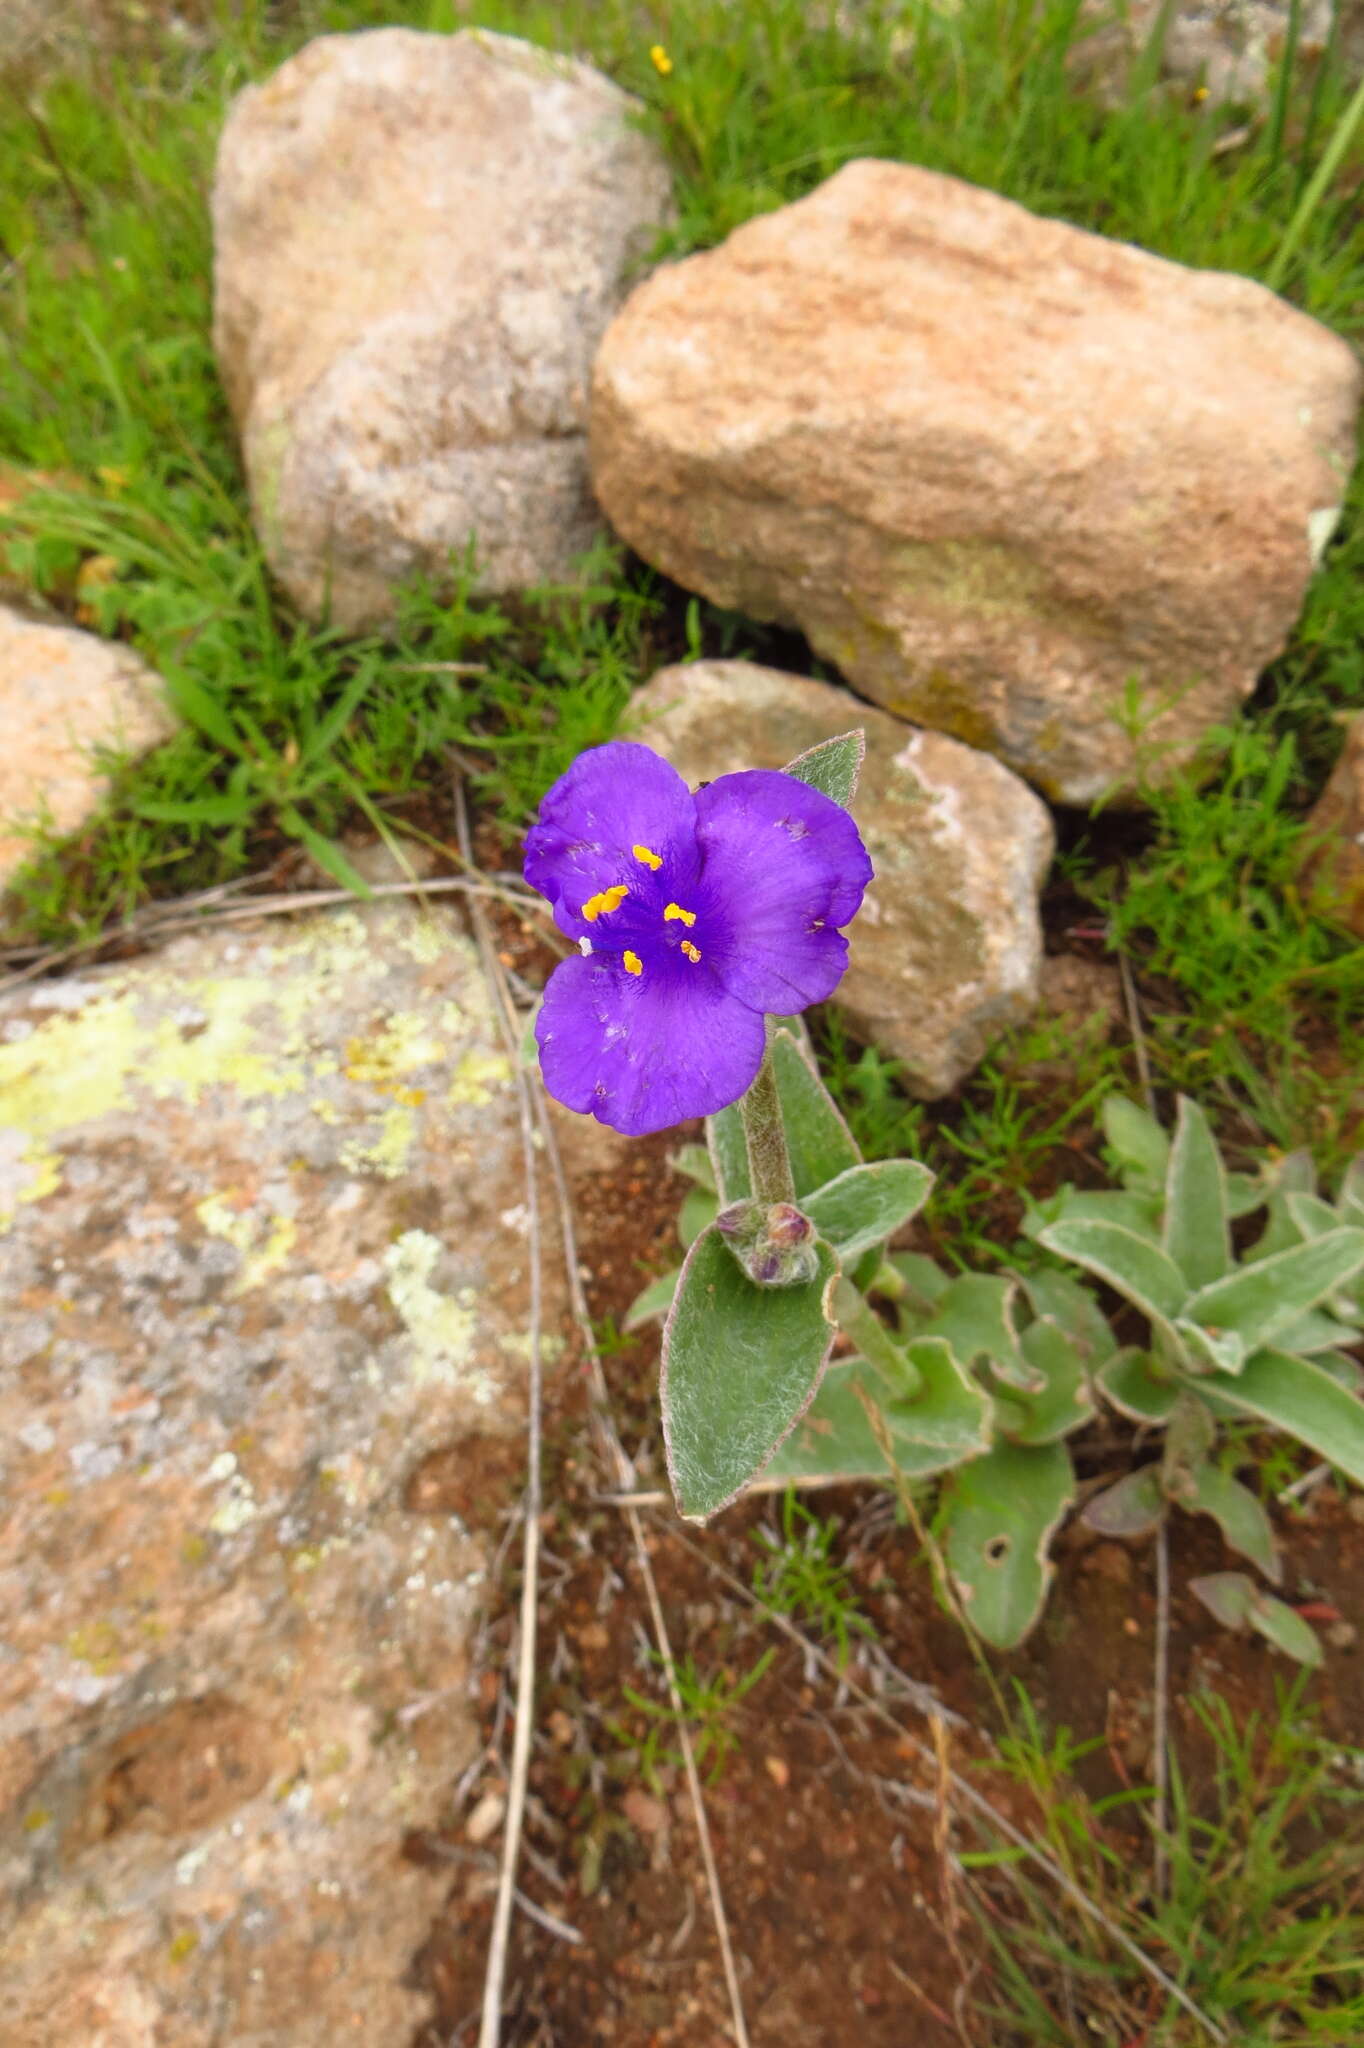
(977, 1380)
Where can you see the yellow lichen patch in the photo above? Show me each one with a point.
(406, 1042)
(604, 901)
(264, 1240)
(184, 1945)
(632, 963)
(647, 857)
(676, 914)
(692, 952)
(387, 1155)
(476, 1077)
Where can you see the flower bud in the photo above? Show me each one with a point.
(773, 1242)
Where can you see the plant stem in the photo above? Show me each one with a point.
(769, 1162)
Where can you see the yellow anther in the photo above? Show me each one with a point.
(673, 910)
(692, 952)
(648, 856)
(632, 963)
(605, 899)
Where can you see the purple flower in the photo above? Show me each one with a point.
(695, 916)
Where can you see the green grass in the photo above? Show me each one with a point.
(1260, 1922)
(108, 385)
(801, 1576)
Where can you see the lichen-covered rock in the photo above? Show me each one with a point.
(419, 240)
(946, 949)
(1022, 484)
(263, 1265)
(1333, 865)
(62, 694)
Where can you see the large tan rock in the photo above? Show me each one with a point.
(946, 949)
(1333, 865)
(62, 694)
(1003, 473)
(419, 240)
(263, 1262)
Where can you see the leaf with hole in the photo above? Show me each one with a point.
(1000, 1514)
(740, 1365)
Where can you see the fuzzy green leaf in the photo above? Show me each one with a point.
(1141, 1146)
(1001, 1511)
(1134, 1505)
(655, 1301)
(729, 1155)
(976, 1316)
(1196, 1234)
(832, 766)
(1070, 1304)
(699, 1207)
(740, 1365)
(1138, 1269)
(1300, 1398)
(948, 1423)
(1130, 1382)
(1237, 1513)
(1238, 1603)
(820, 1143)
(867, 1204)
(1226, 1595)
(1064, 1401)
(1261, 1300)
(695, 1162)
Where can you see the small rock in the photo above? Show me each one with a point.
(486, 1818)
(62, 693)
(945, 951)
(778, 1770)
(419, 240)
(647, 1814)
(1227, 52)
(1002, 472)
(1342, 1635)
(1333, 867)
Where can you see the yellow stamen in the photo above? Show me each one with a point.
(605, 899)
(632, 963)
(692, 952)
(648, 856)
(673, 910)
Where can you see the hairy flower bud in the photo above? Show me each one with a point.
(773, 1243)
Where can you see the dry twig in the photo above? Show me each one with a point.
(490, 2024)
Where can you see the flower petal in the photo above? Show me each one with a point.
(783, 866)
(643, 1052)
(613, 799)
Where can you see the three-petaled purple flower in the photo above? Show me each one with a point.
(695, 916)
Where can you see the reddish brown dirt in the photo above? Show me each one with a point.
(845, 1921)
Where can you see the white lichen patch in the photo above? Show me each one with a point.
(407, 1042)
(441, 1326)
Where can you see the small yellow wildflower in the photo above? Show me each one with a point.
(660, 60)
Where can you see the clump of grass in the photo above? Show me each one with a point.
(1260, 1923)
(801, 1576)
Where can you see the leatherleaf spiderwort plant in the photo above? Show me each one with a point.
(798, 1347)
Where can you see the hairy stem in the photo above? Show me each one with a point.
(769, 1162)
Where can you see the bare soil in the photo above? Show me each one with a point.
(829, 1828)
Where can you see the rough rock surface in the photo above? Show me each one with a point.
(946, 949)
(999, 470)
(1333, 871)
(62, 693)
(419, 240)
(262, 1255)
